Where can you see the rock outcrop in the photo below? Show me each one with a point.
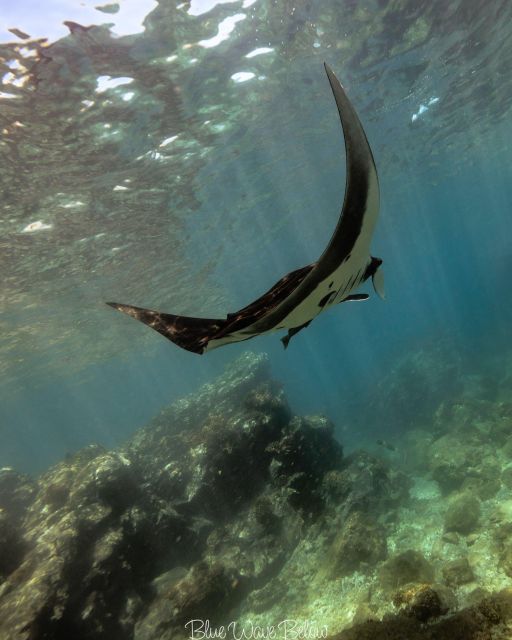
(201, 508)
(228, 508)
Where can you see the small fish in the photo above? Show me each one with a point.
(386, 445)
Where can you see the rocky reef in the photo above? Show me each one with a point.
(229, 509)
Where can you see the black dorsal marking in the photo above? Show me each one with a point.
(327, 298)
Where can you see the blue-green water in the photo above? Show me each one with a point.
(184, 156)
(249, 189)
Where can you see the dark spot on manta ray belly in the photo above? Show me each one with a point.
(326, 299)
(330, 284)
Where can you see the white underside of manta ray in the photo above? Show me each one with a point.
(297, 298)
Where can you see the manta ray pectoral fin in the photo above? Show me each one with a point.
(291, 332)
(356, 297)
(192, 334)
(378, 283)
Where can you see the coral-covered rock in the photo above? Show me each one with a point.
(415, 445)
(505, 562)
(481, 420)
(464, 457)
(16, 492)
(366, 483)
(506, 449)
(451, 537)
(418, 383)
(404, 568)
(506, 476)
(360, 544)
(424, 602)
(177, 428)
(12, 544)
(488, 619)
(457, 572)
(205, 593)
(229, 507)
(226, 482)
(462, 514)
(484, 479)
(452, 460)
(257, 543)
(301, 458)
(92, 536)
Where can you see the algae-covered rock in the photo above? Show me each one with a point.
(448, 462)
(506, 449)
(489, 619)
(506, 476)
(481, 420)
(477, 595)
(502, 533)
(450, 537)
(363, 613)
(416, 443)
(451, 459)
(457, 572)
(274, 591)
(366, 483)
(424, 602)
(337, 485)
(360, 544)
(301, 457)
(500, 427)
(12, 544)
(472, 538)
(464, 456)
(505, 562)
(16, 492)
(205, 593)
(484, 479)
(204, 505)
(462, 514)
(225, 506)
(407, 567)
(417, 384)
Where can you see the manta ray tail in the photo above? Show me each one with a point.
(188, 333)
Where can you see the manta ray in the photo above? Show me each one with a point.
(299, 296)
